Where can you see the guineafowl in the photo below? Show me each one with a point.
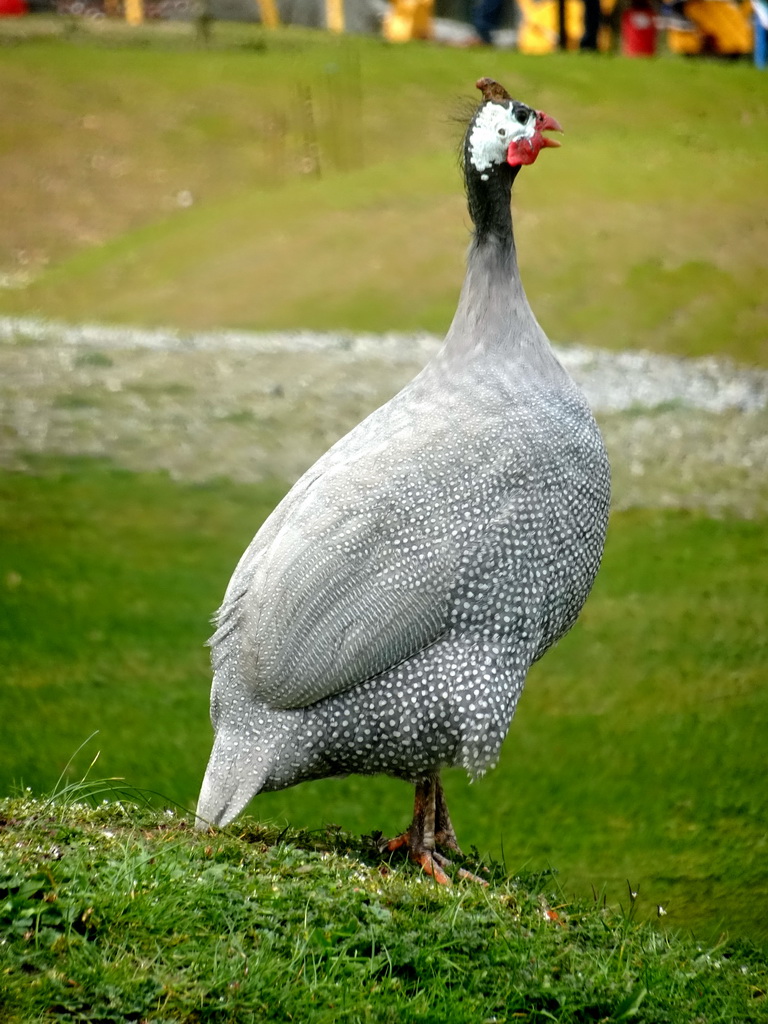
(386, 614)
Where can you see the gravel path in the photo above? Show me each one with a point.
(681, 433)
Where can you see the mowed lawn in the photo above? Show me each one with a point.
(638, 752)
(294, 180)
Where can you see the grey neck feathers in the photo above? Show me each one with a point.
(493, 316)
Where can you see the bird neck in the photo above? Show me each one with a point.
(489, 195)
(493, 314)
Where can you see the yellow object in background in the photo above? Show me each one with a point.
(334, 15)
(685, 41)
(539, 30)
(539, 26)
(722, 27)
(268, 11)
(408, 19)
(134, 12)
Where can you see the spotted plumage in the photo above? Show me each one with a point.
(385, 616)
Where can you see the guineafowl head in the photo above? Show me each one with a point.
(504, 131)
(503, 136)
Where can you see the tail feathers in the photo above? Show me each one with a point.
(236, 772)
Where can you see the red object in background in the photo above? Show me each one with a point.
(11, 8)
(638, 31)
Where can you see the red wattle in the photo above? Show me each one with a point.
(524, 151)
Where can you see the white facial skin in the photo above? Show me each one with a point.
(495, 127)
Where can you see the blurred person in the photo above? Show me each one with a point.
(592, 17)
(486, 18)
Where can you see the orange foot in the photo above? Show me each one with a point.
(431, 826)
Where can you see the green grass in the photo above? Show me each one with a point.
(111, 913)
(637, 752)
(644, 230)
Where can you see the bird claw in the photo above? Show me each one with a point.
(431, 862)
(467, 876)
(431, 827)
(390, 845)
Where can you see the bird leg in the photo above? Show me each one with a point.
(420, 835)
(444, 833)
(431, 826)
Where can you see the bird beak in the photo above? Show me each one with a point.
(545, 123)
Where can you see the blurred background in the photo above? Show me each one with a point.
(229, 231)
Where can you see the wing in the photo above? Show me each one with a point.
(355, 570)
(355, 575)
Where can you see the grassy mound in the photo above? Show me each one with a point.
(111, 913)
